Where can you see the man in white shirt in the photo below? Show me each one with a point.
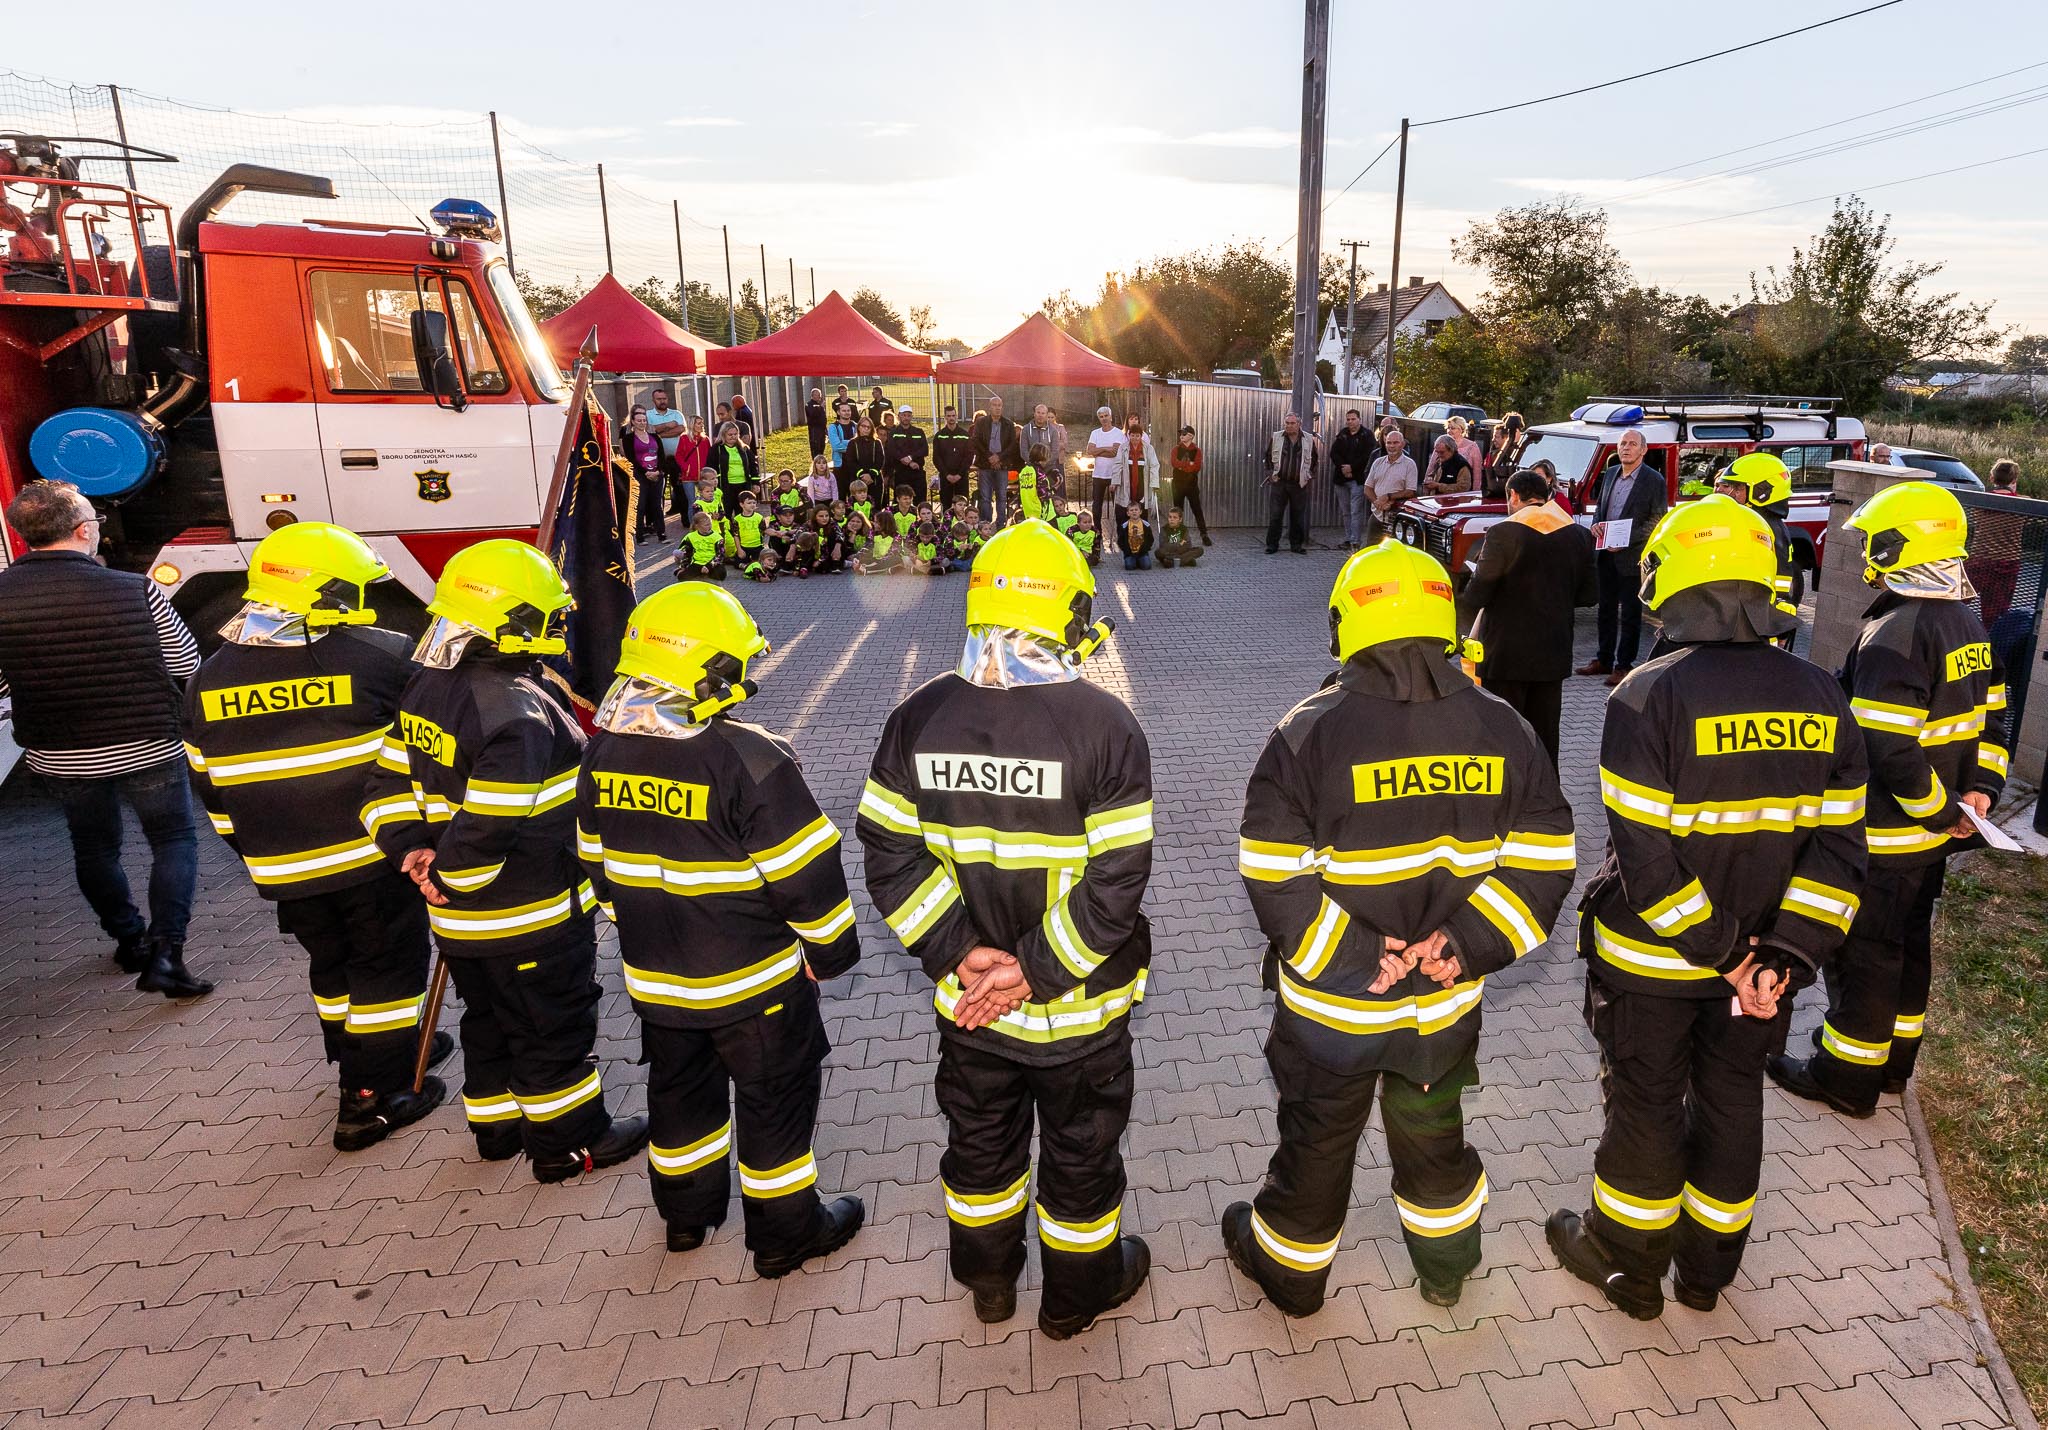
(1108, 449)
(1389, 481)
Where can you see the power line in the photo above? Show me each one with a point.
(1835, 123)
(1662, 69)
(1862, 189)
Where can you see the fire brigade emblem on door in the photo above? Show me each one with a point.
(433, 485)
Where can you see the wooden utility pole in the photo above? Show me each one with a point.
(1350, 313)
(1308, 244)
(1394, 278)
(605, 211)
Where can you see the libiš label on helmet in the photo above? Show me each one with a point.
(1798, 731)
(1427, 774)
(989, 774)
(650, 795)
(319, 692)
(1967, 660)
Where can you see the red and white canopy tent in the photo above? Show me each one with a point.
(631, 337)
(831, 339)
(1036, 353)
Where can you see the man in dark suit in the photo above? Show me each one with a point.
(994, 442)
(1534, 569)
(1628, 491)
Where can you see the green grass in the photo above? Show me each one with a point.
(2024, 442)
(791, 447)
(1983, 1081)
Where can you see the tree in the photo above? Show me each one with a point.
(544, 300)
(1186, 314)
(1496, 364)
(872, 306)
(1546, 263)
(921, 326)
(2027, 353)
(1842, 317)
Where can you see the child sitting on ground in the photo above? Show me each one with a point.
(787, 497)
(926, 558)
(856, 538)
(708, 498)
(749, 531)
(831, 545)
(1029, 483)
(803, 554)
(821, 487)
(700, 555)
(884, 556)
(1134, 539)
(763, 568)
(961, 544)
(1086, 538)
(783, 534)
(1177, 545)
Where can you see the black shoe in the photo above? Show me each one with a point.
(367, 1118)
(439, 1049)
(166, 972)
(1795, 1075)
(1237, 1241)
(499, 1143)
(994, 1307)
(626, 1136)
(1299, 550)
(685, 1238)
(1895, 1085)
(1689, 1296)
(837, 1222)
(131, 953)
(1583, 1256)
(1272, 551)
(1137, 1265)
(1444, 1294)
(1206, 541)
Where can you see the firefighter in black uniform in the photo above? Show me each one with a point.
(1404, 836)
(723, 877)
(1930, 695)
(472, 798)
(1734, 782)
(904, 456)
(282, 724)
(1007, 823)
(1761, 482)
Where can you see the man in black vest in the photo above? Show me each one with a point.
(95, 660)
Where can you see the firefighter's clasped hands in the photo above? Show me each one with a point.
(1757, 990)
(415, 866)
(1399, 959)
(998, 987)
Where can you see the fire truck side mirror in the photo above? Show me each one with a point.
(432, 355)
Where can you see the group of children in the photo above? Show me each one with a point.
(806, 528)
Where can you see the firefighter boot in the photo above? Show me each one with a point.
(623, 1139)
(1137, 1264)
(994, 1307)
(367, 1118)
(1795, 1075)
(686, 1238)
(1582, 1255)
(1237, 1241)
(837, 1222)
(499, 1142)
(166, 973)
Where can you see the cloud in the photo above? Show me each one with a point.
(886, 128)
(1250, 136)
(1711, 193)
(703, 121)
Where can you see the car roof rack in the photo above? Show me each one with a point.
(1754, 406)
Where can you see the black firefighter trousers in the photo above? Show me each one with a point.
(1081, 1107)
(529, 1034)
(1675, 1176)
(755, 1082)
(1439, 1184)
(1877, 984)
(366, 950)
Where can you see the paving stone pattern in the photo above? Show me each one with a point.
(180, 1245)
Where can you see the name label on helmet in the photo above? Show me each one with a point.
(426, 737)
(982, 774)
(1761, 730)
(1427, 774)
(319, 692)
(1968, 660)
(649, 795)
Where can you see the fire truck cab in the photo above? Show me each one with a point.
(209, 383)
(1690, 439)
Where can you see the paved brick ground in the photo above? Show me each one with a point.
(180, 1246)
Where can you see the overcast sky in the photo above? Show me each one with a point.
(980, 157)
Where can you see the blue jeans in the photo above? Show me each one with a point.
(1138, 563)
(992, 494)
(162, 800)
(1356, 499)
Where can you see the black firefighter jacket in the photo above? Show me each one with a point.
(1930, 695)
(1021, 819)
(718, 867)
(1398, 800)
(280, 739)
(481, 768)
(1534, 568)
(1734, 780)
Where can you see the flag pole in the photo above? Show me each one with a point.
(586, 359)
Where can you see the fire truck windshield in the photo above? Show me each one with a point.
(539, 361)
(1569, 452)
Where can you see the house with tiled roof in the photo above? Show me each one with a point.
(1420, 310)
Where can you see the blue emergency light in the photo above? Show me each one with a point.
(466, 218)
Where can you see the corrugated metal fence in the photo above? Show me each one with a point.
(1234, 426)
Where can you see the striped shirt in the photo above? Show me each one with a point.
(181, 658)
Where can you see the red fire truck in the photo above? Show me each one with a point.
(1690, 438)
(206, 381)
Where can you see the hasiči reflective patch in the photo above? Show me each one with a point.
(990, 774)
(317, 692)
(1795, 730)
(1967, 660)
(1427, 774)
(651, 795)
(426, 737)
